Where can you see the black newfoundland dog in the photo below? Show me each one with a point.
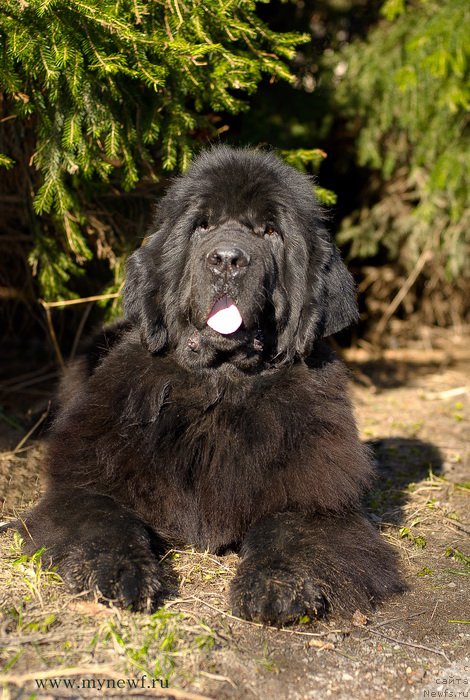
(214, 415)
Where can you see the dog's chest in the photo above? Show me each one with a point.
(219, 458)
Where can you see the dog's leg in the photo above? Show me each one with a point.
(295, 564)
(97, 545)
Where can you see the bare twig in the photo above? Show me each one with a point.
(396, 619)
(10, 641)
(204, 555)
(30, 432)
(80, 328)
(84, 300)
(48, 305)
(6, 383)
(266, 627)
(448, 394)
(409, 282)
(12, 388)
(409, 644)
(452, 524)
(217, 677)
(50, 326)
(12, 293)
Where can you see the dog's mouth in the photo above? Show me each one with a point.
(224, 317)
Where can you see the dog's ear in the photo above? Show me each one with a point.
(331, 303)
(142, 300)
(339, 305)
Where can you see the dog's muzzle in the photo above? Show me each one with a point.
(228, 261)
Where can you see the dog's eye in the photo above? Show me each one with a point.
(201, 225)
(269, 230)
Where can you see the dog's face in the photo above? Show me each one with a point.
(239, 268)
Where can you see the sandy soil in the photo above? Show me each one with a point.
(413, 407)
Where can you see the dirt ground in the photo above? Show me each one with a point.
(413, 407)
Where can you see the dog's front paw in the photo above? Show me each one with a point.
(275, 596)
(128, 578)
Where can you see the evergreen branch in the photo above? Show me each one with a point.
(116, 92)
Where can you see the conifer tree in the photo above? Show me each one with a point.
(405, 93)
(104, 95)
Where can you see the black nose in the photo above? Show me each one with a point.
(227, 259)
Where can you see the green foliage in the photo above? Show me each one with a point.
(302, 159)
(35, 577)
(6, 162)
(154, 643)
(418, 540)
(106, 95)
(406, 92)
(455, 554)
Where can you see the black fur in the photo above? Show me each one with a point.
(170, 432)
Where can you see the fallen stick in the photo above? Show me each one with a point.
(410, 644)
(409, 282)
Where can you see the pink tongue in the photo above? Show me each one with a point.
(224, 317)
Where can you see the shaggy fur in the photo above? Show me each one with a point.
(170, 433)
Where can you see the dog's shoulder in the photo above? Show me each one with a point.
(91, 354)
(99, 345)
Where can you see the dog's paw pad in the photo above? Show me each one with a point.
(128, 584)
(276, 597)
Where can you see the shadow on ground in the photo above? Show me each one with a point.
(401, 463)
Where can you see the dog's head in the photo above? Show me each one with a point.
(239, 265)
